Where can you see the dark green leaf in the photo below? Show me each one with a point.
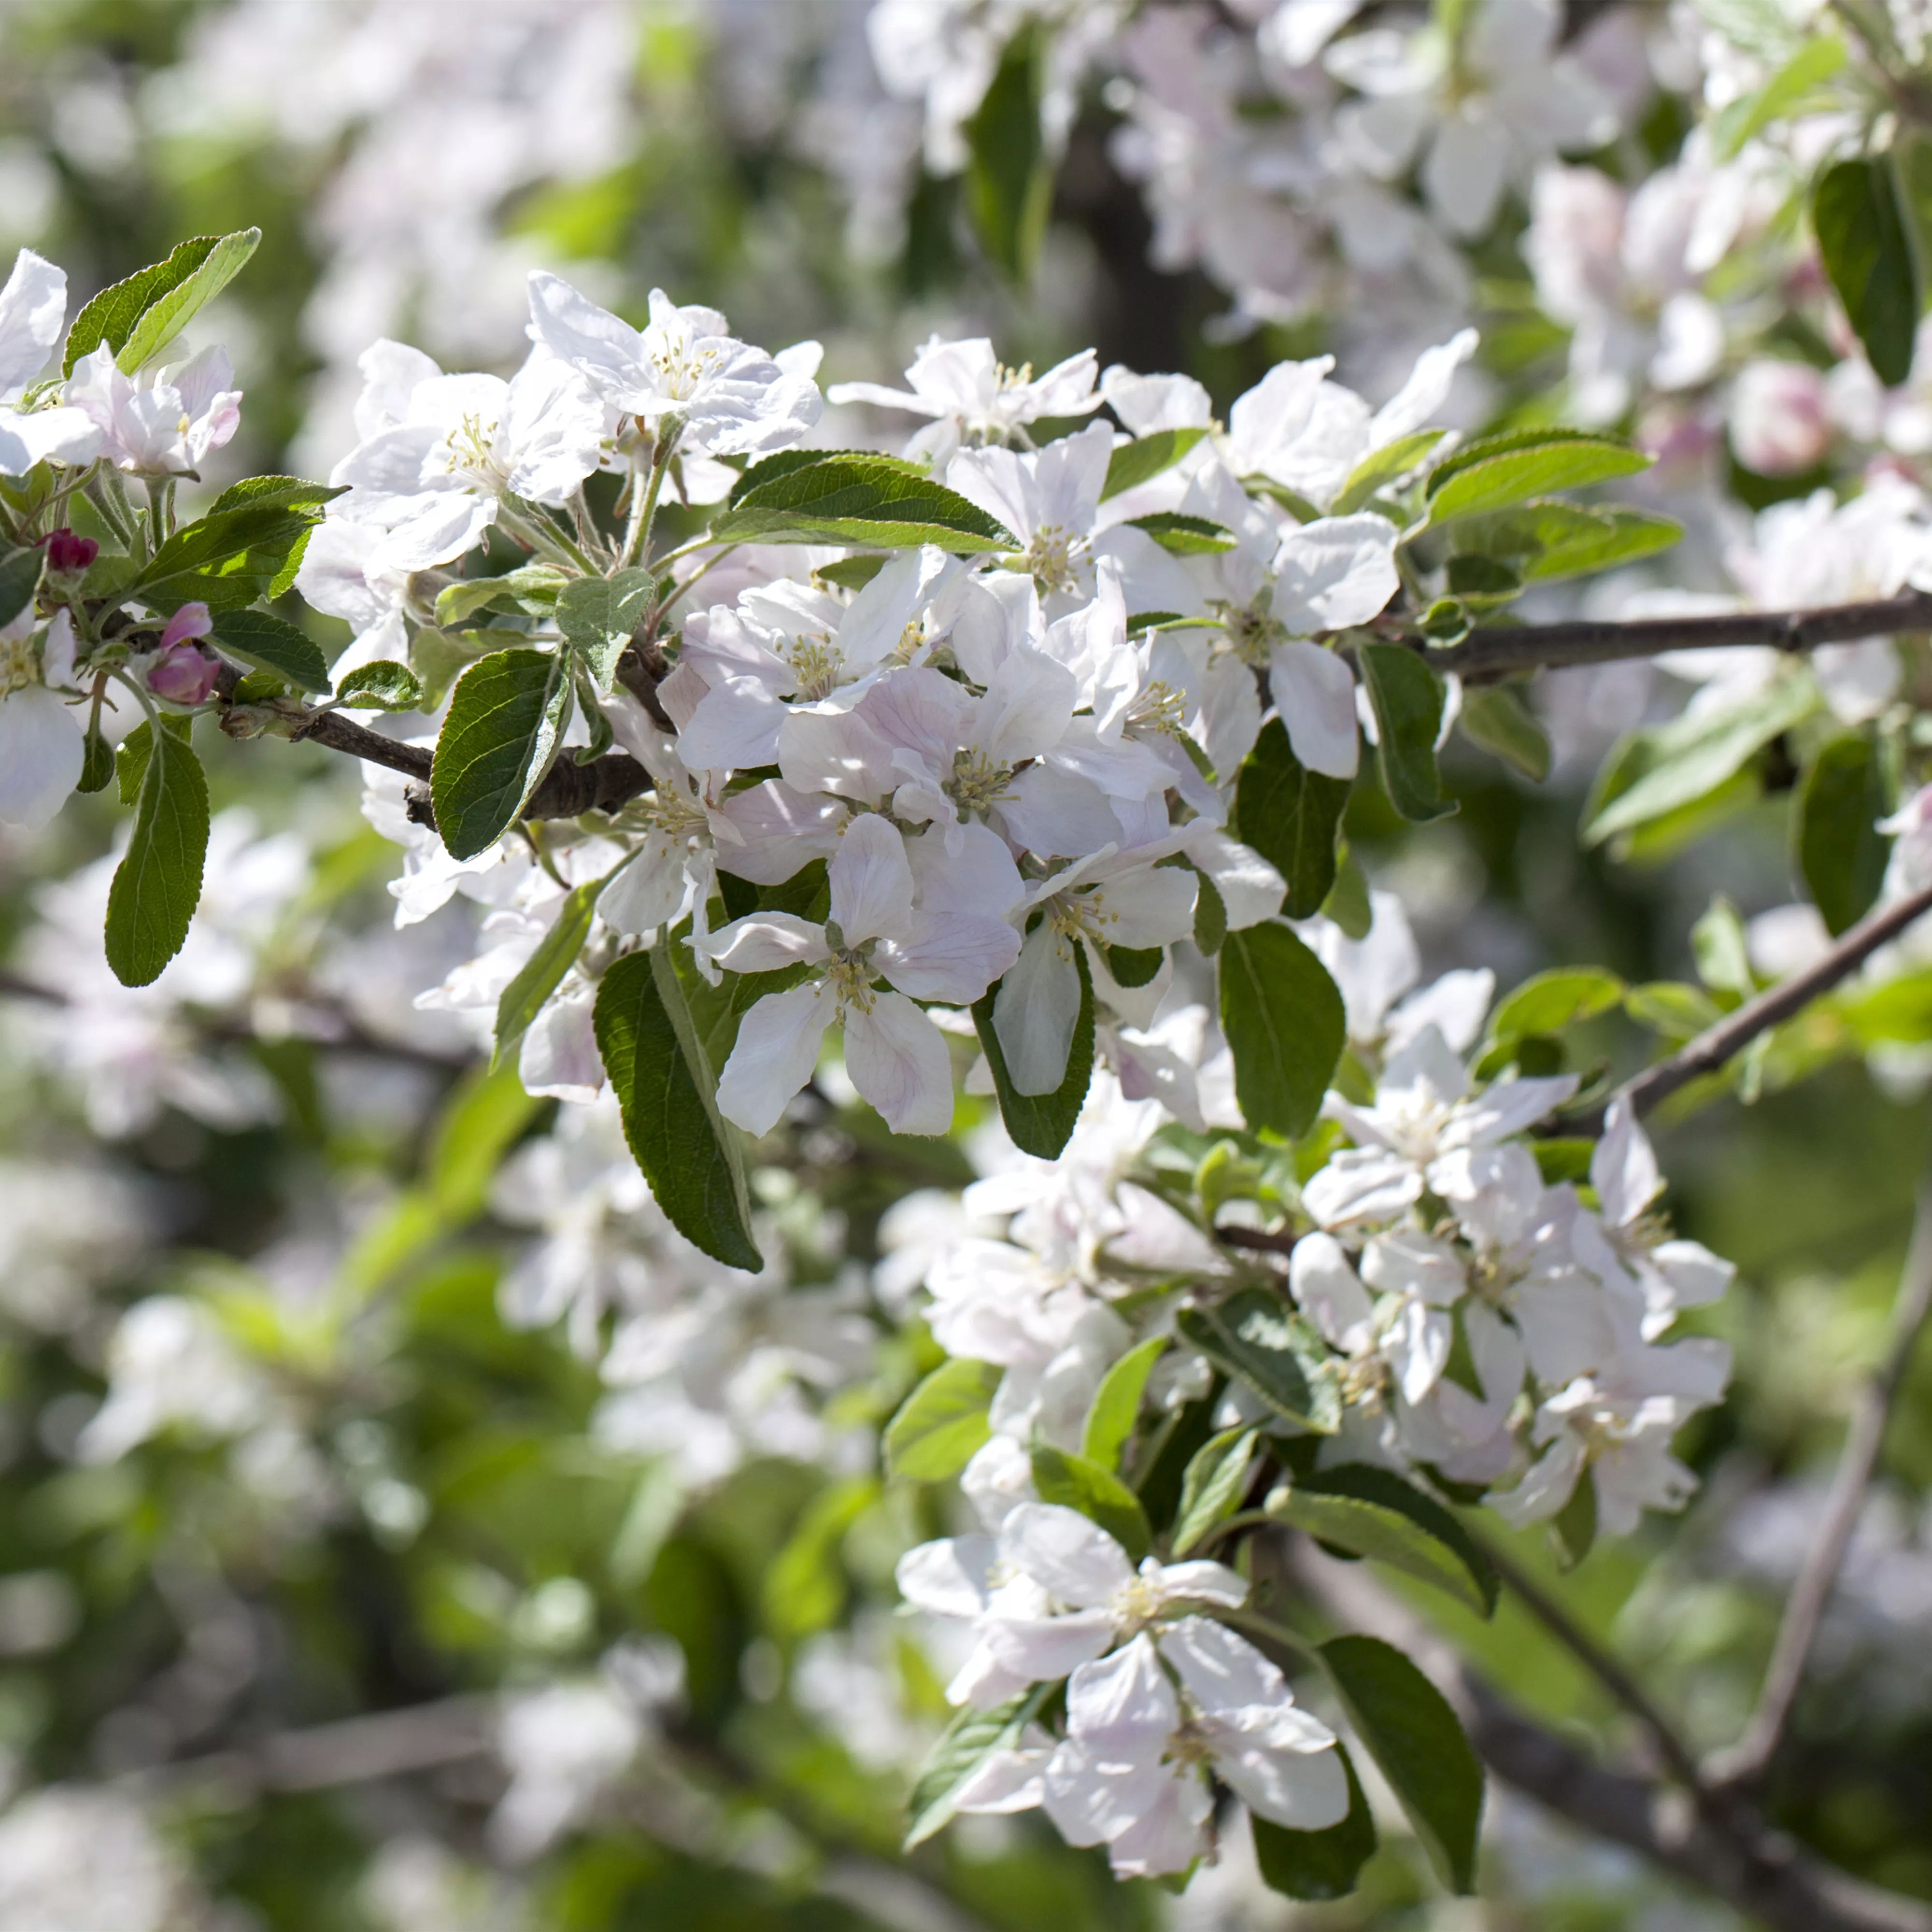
(1373, 1513)
(384, 685)
(1098, 1494)
(597, 616)
(157, 884)
(665, 1088)
(1862, 237)
(1136, 462)
(1210, 915)
(97, 763)
(111, 316)
(273, 644)
(131, 754)
(506, 718)
(864, 500)
(1381, 467)
(290, 492)
(1316, 1865)
(1184, 536)
(1285, 1026)
(942, 1424)
(1042, 1123)
(1132, 966)
(231, 558)
(971, 1737)
(1564, 997)
(170, 310)
(1413, 1735)
(1407, 696)
(1254, 1337)
(850, 573)
(1292, 817)
(1841, 853)
(1494, 471)
(19, 577)
(1116, 1404)
(540, 975)
(1573, 1529)
(1659, 771)
(1210, 1491)
(1495, 717)
(1009, 172)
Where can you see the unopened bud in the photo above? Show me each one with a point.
(191, 620)
(68, 555)
(183, 674)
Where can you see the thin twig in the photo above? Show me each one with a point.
(1499, 651)
(1715, 1044)
(1804, 1610)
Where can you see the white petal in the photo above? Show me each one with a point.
(1306, 1790)
(33, 305)
(1036, 1011)
(1122, 1708)
(1074, 1559)
(42, 748)
(1223, 1673)
(607, 351)
(897, 1060)
(1314, 690)
(950, 1578)
(56, 435)
(776, 1050)
(950, 956)
(1327, 1290)
(871, 883)
(766, 943)
(1623, 1167)
(1336, 571)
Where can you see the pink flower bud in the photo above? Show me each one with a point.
(68, 555)
(1779, 425)
(183, 674)
(191, 620)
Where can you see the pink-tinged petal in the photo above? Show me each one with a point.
(42, 748)
(777, 1048)
(651, 891)
(1037, 1010)
(871, 882)
(950, 956)
(559, 1058)
(765, 942)
(735, 726)
(965, 869)
(899, 1061)
(1028, 704)
(839, 752)
(1314, 690)
(191, 620)
(769, 832)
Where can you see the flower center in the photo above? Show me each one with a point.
(1160, 708)
(850, 974)
(817, 662)
(1082, 915)
(681, 365)
(977, 783)
(19, 664)
(470, 451)
(1055, 558)
(1252, 632)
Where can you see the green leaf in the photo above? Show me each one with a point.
(1283, 1019)
(1184, 536)
(1210, 915)
(131, 754)
(1671, 766)
(1573, 1529)
(383, 686)
(19, 578)
(111, 316)
(1292, 817)
(540, 975)
(865, 500)
(1494, 471)
(1564, 997)
(1136, 462)
(1861, 224)
(1042, 1123)
(289, 492)
(1134, 966)
(666, 1089)
(942, 1424)
(1407, 696)
(1760, 27)
(484, 1116)
(1783, 95)
(1009, 172)
(157, 884)
(1672, 1008)
(1495, 717)
(804, 1589)
(97, 762)
(1098, 1494)
(597, 616)
(1317, 1865)
(1254, 1337)
(1116, 1404)
(1547, 538)
(1348, 902)
(1721, 950)
(1210, 1491)
(173, 309)
(229, 559)
(1414, 1737)
(1381, 467)
(270, 643)
(506, 718)
(971, 1737)
(535, 587)
(1373, 1513)
(1841, 851)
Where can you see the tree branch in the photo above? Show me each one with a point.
(1502, 650)
(1776, 1004)
(1804, 1610)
